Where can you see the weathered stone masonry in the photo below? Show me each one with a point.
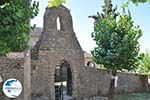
(56, 45)
(12, 68)
(53, 46)
(95, 82)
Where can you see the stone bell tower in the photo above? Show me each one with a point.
(58, 42)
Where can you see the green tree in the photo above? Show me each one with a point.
(139, 1)
(14, 27)
(145, 63)
(55, 3)
(117, 41)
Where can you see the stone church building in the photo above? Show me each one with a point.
(57, 49)
(58, 64)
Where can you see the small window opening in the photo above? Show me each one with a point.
(91, 64)
(58, 23)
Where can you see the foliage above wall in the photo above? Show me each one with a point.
(116, 38)
(55, 3)
(145, 63)
(14, 24)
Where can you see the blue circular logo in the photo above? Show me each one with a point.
(12, 88)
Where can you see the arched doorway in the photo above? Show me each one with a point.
(63, 80)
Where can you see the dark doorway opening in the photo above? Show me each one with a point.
(63, 80)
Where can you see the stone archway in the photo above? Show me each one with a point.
(53, 46)
(63, 80)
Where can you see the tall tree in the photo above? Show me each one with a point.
(117, 41)
(14, 28)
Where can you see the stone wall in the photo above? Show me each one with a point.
(40, 76)
(57, 45)
(95, 82)
(91, 81)
(12, 68)
(130, 82)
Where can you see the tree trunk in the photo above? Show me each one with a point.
(112, 86)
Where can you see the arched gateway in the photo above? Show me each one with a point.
(63, 80)
(57, 50)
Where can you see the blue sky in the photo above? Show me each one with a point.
(83, 26)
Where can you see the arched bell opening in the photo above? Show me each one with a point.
(58, 23)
